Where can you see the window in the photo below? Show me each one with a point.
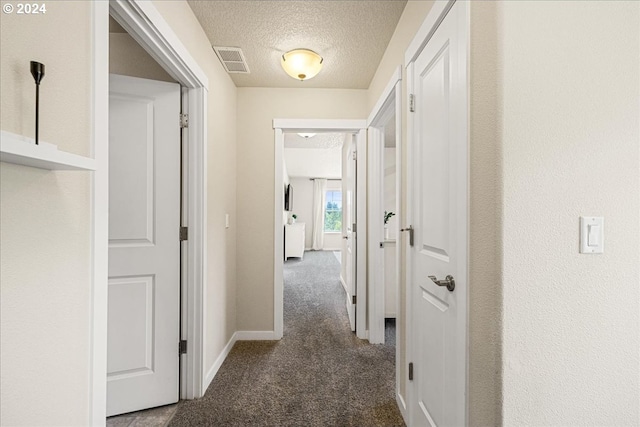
(333, 212)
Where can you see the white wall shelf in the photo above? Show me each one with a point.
(21, 150)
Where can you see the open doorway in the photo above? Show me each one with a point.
(142, 22)
(387, 298)
(355, 133)
(384, 211)
(314, 222)
(145, 212)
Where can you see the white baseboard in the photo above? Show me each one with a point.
(221, 358)
(344, 285)
(331, 250)
(403, 407)
(255, 336)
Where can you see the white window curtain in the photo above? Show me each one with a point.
(319, 201)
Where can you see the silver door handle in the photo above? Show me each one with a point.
(410, 230)
(448, 282)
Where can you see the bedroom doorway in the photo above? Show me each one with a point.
(352, 130)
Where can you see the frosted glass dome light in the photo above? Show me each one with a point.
(301, 64)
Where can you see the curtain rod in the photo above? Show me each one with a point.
(328, 179)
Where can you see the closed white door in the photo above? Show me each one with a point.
(144, 244)
(349, 217)
(438, 179)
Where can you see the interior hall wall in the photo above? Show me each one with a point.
(257, 107)
(569, 122)
(45, 229)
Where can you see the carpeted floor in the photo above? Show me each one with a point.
(319, 374)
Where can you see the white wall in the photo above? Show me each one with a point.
(128, 58)
(220, 285)
(45, 301)
(257, 107)
(569, 92)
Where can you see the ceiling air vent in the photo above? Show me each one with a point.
(232, 58)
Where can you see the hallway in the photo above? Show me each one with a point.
(319, 374)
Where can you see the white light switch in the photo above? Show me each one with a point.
(226, 220)
(594, 235)
(591, 234)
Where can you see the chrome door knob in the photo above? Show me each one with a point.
(448, 282)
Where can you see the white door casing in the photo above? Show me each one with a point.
(438, 177)
(387, 109)
(350, 245)
(144, 245)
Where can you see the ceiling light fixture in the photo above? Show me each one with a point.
(302, 64)
(307, 135)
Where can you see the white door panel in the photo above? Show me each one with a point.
(349, 218)
(144, 246)
(438, 173)
(131, 219)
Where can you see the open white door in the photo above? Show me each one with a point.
(350, 236)
(438, 179)
(144, 244)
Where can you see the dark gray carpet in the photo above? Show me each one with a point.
(319, 374)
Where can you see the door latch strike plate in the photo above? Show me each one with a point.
(353, 299)
(411, 371)
(184, 233)
(182, 347)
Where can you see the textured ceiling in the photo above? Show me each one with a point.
(351, 36)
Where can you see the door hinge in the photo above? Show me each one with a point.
(353, 299)
(411, 371)
(182, 347)
(355, 155)
(184, 120)
(412, 103)
(354, 228)
(184, 233)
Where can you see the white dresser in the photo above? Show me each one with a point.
(293, 240)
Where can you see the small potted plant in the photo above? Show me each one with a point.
(387, 217)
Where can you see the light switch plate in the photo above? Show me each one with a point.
(591, 235)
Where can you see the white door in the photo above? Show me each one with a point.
(438, 179)
(350, 236)
(144, 245)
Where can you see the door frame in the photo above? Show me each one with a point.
(389, 103)
(147, 26)
(358, 127)
(424, 34)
